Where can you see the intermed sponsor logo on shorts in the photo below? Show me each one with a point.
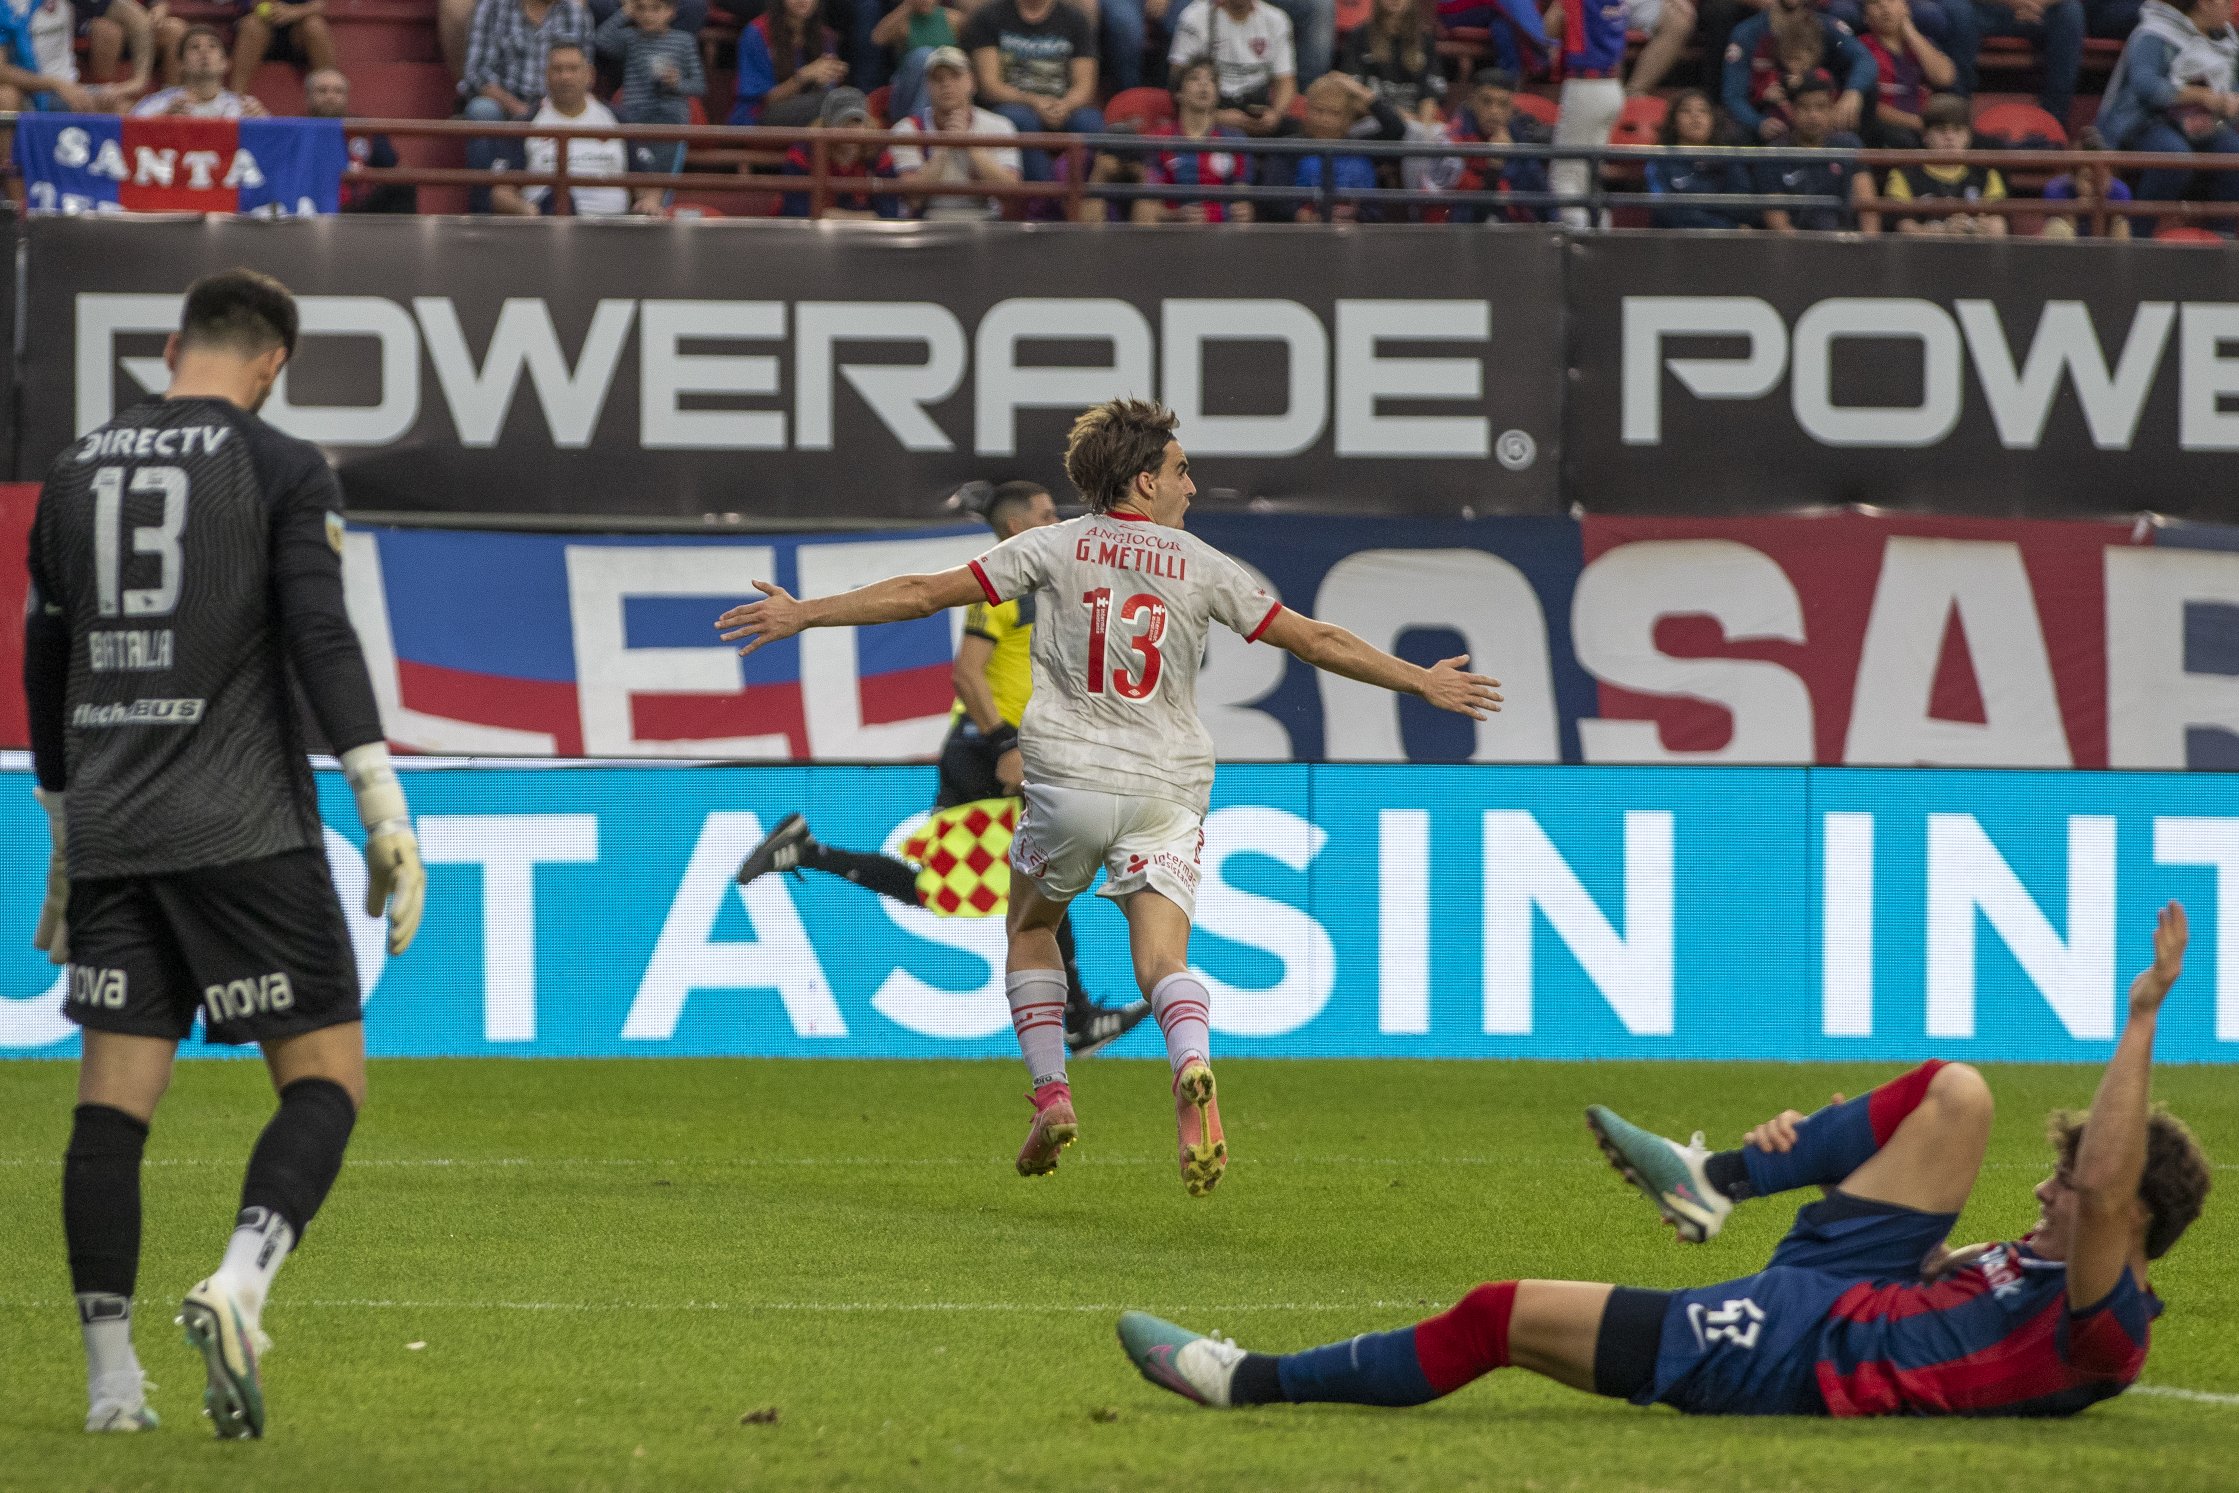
(255, 995)
(139, 713)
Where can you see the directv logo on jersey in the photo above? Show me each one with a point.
(238, 998)
(139, 713)
(141, 444)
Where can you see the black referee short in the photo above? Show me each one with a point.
(967, 767)
(258, 948)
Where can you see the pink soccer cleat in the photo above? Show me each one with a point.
(1053, 1130)
(1198, 1118)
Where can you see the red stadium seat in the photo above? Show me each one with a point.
(877, 101)
(1642, 123)
(1537, 106)
(2187, 233)
(1145, 108)
(2013, 123)
(1352, 14)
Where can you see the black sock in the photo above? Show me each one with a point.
(300, 1152)
(1258, 1381)
(1076, 994)
(881, 873)
(101, 1199)
(1726, 1172)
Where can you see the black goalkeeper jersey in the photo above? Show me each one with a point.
(185, 556)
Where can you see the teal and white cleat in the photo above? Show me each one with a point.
(1194, 1367)
(120, 1404)
(1668, 1174)
(230, 1345)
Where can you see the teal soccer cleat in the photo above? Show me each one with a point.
(1668, 1174)
(229, 1344)
(1192, 1366)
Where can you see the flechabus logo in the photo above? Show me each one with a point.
(138, 713)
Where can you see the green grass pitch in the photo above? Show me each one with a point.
(550, 1275)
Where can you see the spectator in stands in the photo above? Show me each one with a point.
(1125, 26)
(661, 75)
(1945, 125)
(1752, 64)
(567, 101)
(1814, 103)
(2053, 28)
(1692, 122)
(117, 29)
(1250, 44)
(1394, 53)
(1490, 118)
(300, 30)
(948, 110)
(1340, 108)
(1035, 61)
(1908, 65)
(911, 33)
(2094, 185)
(506, 55)
(788, 60)
(1799, 50)
(1196, 88)
(2176, 89)
(38, 68)
(202, 93)
(326, 95)
(850, 168)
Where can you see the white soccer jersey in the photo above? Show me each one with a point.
(1119, 630)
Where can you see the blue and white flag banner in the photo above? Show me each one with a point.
(1346, 911)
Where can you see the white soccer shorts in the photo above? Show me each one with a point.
(1065, 834)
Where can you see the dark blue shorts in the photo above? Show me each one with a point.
(1751, 1346)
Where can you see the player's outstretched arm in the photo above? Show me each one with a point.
(780, 614)
(2111, 1154)
(1327, 646)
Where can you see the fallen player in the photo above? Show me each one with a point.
(1862, 1310)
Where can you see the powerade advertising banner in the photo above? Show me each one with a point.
(1766, 372)
(1356, 911)
(784, 370)
(1845, 639)
(98, 163)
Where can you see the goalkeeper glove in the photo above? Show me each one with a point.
(393, 875)
(54, 926)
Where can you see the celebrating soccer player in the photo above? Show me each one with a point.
(1118, 766)
(979, 761)
(1863, 1309)
(185, 559)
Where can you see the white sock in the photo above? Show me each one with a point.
(259, 1246)
(105, 1320)
(1038, 1016)
(1181, 1006)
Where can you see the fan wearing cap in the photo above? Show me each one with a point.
(850, 167)
(1811, 101)
(948, 110)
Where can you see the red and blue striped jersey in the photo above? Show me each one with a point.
(1593, 38)
(1188, 167)
(1995, 1337)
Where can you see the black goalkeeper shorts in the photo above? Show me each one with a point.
(258, 949)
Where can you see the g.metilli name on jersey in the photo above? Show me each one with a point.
(130, 650)
(139, 713)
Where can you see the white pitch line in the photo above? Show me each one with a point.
(2194, 1396)
(836, 1307)
(1594, 1163)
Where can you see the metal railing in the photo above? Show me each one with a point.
(822, 185)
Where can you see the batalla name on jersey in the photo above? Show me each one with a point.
(1148, 554)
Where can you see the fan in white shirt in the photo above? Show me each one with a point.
(567, 100)
(1117, 763)
(202, 93)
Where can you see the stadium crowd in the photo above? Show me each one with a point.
(1202, 80)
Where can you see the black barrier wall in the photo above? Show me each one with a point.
(791, 372)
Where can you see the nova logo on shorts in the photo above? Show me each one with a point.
(1736, 1322)
(97, 987)
(251, 997)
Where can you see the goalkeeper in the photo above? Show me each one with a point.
(994, 675)
(186, 564)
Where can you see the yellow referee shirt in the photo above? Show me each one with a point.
(1010, 672)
